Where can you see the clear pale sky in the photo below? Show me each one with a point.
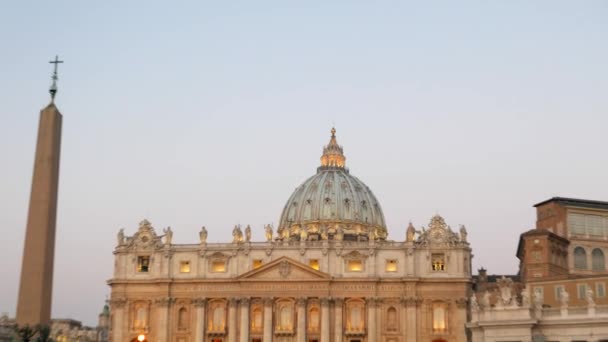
(193, 113)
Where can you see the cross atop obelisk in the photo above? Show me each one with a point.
(53, 89)
(36, 287)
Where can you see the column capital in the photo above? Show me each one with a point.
(233, 301)
(164, 301)
(118, 303)
(268, 301)
(338, 301)
(301, 300)
(372, 301)
(244, 300)
(198, 302)
(324, 301)
(461, 302)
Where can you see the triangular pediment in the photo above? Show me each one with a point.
(284, 269)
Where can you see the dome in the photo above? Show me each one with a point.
(332, 204)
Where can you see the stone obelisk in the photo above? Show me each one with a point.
(36, 287)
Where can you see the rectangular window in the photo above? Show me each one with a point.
(581, 289)
(391, 265)
(143, 264)
(314, 264)
(354, 265)
(438, 262)
(541, 292)
(184, 267)
(218, 266)
(594, 224)
(536, 255)
(558, 291)
(257, 263)
(576, 224)
(600, 290)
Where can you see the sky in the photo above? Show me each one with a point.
(197, 113)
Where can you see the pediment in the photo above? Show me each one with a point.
(284, 269)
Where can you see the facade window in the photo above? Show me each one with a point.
(354, 265)
(580, 258)
(581, 290)
(314, 318)
(600, 290)
(143, 264)
(558, 291)
(391, 265)
(141, 318)
(588, 225)
(257, 263)
(257, 321)
(182, 319)
(540, 291)
(536, 255)
(597, 260)
(438, 262)
(355, 317)
(439, 319)
(314, 264)
(391, 319)
(217, 318)
(218, 266)
(184, 267)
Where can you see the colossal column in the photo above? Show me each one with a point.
(244, 320)
(268, 320)
(232, 329)
(162, 326)
(338, 319)
(325, 320)
(36, 286)
(199, 328)
(118, 318)
(371, 319)
(301, 332)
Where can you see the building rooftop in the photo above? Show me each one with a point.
(576, 202)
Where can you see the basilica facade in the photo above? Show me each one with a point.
(328, 273)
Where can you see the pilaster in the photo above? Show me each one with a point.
(199, 327)
(244, 331)
(268, 319)
(325, 320)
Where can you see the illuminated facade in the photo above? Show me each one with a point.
(328, 273)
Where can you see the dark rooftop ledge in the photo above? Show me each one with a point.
(576, 202)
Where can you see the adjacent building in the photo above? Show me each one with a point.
(560, 291)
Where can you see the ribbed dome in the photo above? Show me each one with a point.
(332, 204)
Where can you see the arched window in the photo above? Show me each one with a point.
(439, 319)
(285, 318)
(217, 319)
(141, 319)
(313, 320)
(597, 260)
(182, 319)
(580, 258)
(391, 319)
(256, 322)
